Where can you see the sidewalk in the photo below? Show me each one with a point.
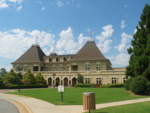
(39, 106)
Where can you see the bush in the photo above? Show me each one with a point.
(148, 88)
(84, 85)
(128, 84)
(112, 85)
(139, 85)
(16, 86)
(1, 82)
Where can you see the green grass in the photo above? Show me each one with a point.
(73, 96)
(142, 107)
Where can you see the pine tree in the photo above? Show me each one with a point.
(139, 63)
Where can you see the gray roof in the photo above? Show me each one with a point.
(89, 52)
(32, 55)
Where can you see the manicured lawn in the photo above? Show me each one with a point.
(73, 96)
(142, 107)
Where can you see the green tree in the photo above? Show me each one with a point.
(39, 78)
(10, 77)
(139, 85)
(139, 63)
(1, 82)
(80, 79)
(2, 72)
(29, 78)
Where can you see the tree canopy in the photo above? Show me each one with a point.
(29, 78)
(139, 63)
(39, 78)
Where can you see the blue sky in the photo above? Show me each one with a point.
(63, 26)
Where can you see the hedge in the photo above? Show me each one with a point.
(112, 85)
(84, 85)
(15, 86)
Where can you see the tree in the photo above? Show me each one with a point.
(29, 78)
(80, 79)
(2, 72)
(139, 85)
(39, 78)
(139, 63)
(10, 78)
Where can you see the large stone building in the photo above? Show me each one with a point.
(63, 69)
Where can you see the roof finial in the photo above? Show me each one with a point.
(36, 40)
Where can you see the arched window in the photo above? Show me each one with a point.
(124, 79)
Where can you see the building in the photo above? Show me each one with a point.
(63, 69)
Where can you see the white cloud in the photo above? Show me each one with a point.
(43, 8)
(66, 43)
(123, 25)
(122, 59)
(59, 3)
(15, 42)
(103, 39)
(124, 42)
(16, 1)
(3, 4)
(19, 8)
(7, 3)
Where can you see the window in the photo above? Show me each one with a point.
(61, 68)
(87, 67)
(114, 80)
(124, 79)
(97, 67)
(87, 80)
(98, 81)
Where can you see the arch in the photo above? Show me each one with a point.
(65, 81)
(57, 81)
(49, 81)
(74, 81)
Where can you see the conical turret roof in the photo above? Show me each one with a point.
(32, 55)
(89, 52)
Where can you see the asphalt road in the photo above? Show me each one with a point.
(7, 107)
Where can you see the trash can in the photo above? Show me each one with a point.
(89, 101)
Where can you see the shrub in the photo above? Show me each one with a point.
(148, 88)
(1, 82)
(139, 85)
(15, 86)
(128, 84)
(84, 85)
(112, 85)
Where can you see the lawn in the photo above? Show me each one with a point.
(142, 107)
(73, 96)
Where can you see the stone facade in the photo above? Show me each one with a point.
(63, 69)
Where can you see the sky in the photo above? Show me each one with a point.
(64, 26)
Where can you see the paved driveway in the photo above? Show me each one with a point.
(7, 107)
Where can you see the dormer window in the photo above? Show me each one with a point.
(62, 59)
(47, 60)
(55, 59)
(69, 58)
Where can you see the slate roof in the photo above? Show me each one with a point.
(32, 55)
(89, 52)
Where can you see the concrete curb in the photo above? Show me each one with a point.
(23, 108)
